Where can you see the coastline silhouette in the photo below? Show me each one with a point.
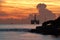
(50, 25)
(45, 14)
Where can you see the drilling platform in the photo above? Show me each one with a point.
(34, 21)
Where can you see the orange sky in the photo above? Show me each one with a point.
(22, 8)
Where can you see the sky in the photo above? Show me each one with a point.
(20, 9)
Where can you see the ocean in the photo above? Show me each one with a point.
(18, 35)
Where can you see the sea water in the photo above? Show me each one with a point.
(11, 35)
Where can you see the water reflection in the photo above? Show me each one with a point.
(25, 36)
(14, 35)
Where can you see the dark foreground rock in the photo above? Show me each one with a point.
(51, 27)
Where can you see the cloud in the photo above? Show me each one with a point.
(3, 14)
(1, 1)
(45, 14)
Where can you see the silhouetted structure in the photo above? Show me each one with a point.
(35, 21)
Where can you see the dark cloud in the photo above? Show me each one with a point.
(45, 14)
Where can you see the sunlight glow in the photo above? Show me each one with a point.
(27, 7)
(29, 3)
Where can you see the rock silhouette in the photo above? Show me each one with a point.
(51, 27)
(45, 14)
(53, 23)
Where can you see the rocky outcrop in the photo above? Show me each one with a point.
(50, 27)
